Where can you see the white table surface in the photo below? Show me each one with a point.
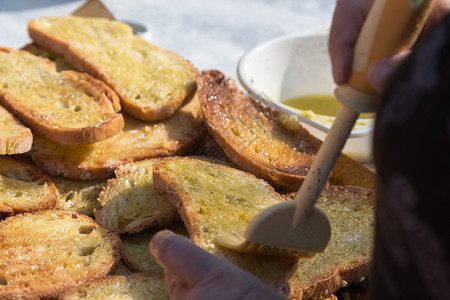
(211, 34)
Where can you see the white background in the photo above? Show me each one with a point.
(211, 34)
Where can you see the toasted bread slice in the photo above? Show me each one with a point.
(133, 286)
(78, 195)
(44, 253)
(152, 82)
(214, 200)
(60, 62)
(66, 107)
(15, 138)
(138, 140)
(350, 172)
(255, 136)
(135, 252)
(348, 256)
(24, 188)
(130, 202)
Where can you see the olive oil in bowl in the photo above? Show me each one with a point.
(326, 105)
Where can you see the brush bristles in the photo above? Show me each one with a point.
(237, 241)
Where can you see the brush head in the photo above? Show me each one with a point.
(271, 232)
(237, 241)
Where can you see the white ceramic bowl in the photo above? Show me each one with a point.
(294, 66)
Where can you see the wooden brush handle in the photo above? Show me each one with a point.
(323, 164)
(390, 27)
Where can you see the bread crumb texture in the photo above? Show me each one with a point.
(78, 195)
(134, 286)
(131, 203)
(23, 187)
(15, 138)
(346, 259)
(19, 192)
(46, 252)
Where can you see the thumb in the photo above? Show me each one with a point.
(380, 71)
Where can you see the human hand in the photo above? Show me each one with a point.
(349, 16)
(193, 273)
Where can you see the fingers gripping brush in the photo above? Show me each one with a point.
(298, 227)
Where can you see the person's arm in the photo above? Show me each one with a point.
(193, 273)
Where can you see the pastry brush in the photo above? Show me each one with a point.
(298, 227)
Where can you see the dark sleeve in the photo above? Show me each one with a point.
(412, 158)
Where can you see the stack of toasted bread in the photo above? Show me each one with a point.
(125, 138)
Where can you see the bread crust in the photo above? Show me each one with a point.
(55, 130)
(14, 141)
(19, 171)
(79, 61)
(252, 134)
(152, 113)
(138, 140)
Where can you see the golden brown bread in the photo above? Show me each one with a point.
(348, 256)
(334, 173)
(133, 286)
(66, 107)
(15, 138)
(47, 252)
(24, 188)
(61, 64)
(130, 202)
(152, 82)
(135, 252)
(78, 195)
(214, 200)
(255, 136)
(350, 172)
(138, 140)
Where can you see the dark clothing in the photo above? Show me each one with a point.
(412, 158)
